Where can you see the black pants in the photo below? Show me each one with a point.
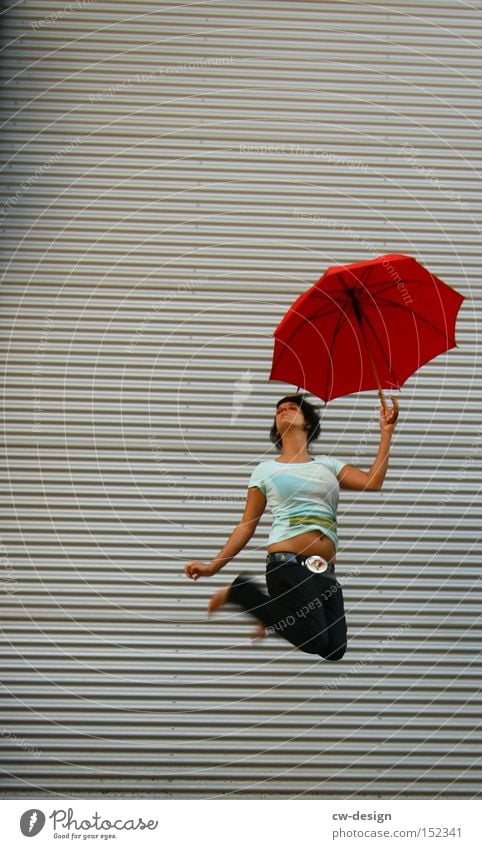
(304, 607)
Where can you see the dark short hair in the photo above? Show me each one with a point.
(310, 414)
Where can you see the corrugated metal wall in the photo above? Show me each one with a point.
(174, 176)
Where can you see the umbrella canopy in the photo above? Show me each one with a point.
(365, 325)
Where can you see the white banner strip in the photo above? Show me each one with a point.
(218, 824)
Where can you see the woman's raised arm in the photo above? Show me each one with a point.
(352, 477)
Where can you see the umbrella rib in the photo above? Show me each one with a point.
(320, 314)
(298, 328)
(341, 318)
(386, 303)
(372, 293)
(384, 285)
(369, 272)
(313, 317)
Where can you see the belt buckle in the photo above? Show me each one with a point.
(315, 563)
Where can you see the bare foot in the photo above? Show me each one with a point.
(259, 633)
(218, 600)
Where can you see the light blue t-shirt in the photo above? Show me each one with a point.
(302, 496)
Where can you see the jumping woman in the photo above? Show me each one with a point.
(304, 603)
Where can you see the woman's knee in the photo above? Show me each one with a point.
(336, 654)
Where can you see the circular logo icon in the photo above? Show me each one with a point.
(32, 822)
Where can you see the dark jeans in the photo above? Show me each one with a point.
(303, 607)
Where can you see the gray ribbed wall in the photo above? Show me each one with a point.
(174, 175)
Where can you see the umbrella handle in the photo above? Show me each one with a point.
(394, 414)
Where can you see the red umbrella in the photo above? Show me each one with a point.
(363, 326)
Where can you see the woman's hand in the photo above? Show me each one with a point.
(197, 569)
(388, 418)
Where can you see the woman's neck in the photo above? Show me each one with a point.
(294, 449)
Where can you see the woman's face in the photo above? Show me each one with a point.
(288, 415)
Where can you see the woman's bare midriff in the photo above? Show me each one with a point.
(311, 542)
